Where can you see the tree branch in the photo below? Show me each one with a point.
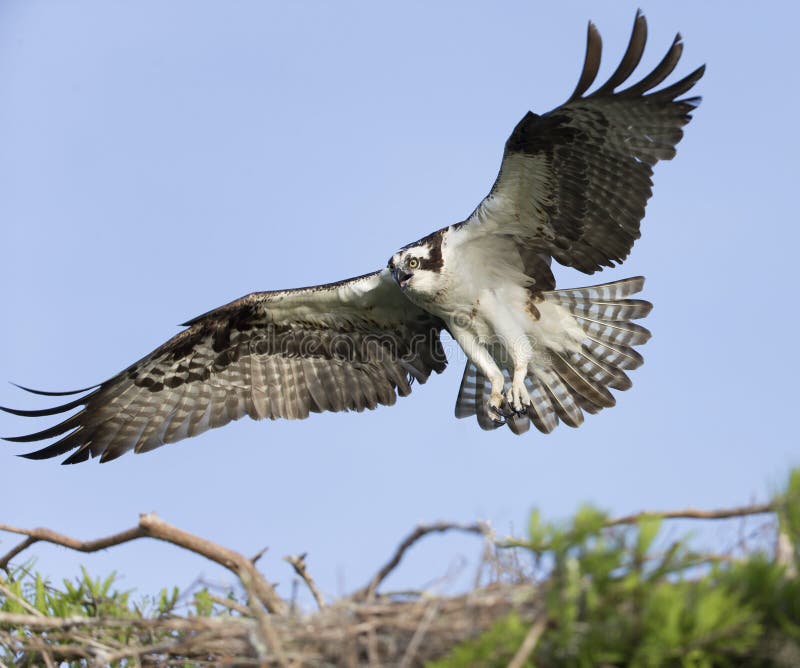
(368, 591)
(529, 642)
(49, 536)
(298, 562)
(685, 514)
(152, 526)
(694, 514)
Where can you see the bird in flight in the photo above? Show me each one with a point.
(572, 187)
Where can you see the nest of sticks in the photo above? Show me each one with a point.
(367, 628)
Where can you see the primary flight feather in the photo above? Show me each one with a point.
(573, 185)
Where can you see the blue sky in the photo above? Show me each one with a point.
(160, 159)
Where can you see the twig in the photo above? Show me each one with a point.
(686, 514)
(173, 645)
(151, 526)
(259, 554)
(231, 605)
(204, 633)
(529, 642)
(5, 591)
(264, 623)
(419, 633)
(298, 562)
(421, 531)
(48, 660)
(169, 624)
(48, 536)
(373, 654)
(694, 514)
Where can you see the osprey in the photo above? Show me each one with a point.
(573, 185)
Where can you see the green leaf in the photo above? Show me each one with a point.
(648, 528)
(203, 603)
(536, 531)
(492, 649)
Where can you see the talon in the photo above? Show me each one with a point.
(497, 412)
(517, 399)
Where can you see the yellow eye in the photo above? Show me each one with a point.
(413, 263)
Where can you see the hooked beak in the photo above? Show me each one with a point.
(400, 276)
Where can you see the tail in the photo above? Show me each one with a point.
(562, 384)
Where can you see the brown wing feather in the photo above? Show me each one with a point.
(574, 182)
(346, 346)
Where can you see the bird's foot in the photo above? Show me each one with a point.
(517, 398)
(498, 409)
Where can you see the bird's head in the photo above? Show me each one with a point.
(417, 267)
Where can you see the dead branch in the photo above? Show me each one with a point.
(48, 536)
(152, 526)
(264, 623)
(421, 531)
(298, 562)
(529, 642)
(187, 635)
(230, 604)
(169, 624)
(694, 514)
(259, 554)
(419, 633)
(685, 514)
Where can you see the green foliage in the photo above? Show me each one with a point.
(83, 597)
(203, 603)
(620, 596)
(492, 649)
(789, 515)
(26, 592)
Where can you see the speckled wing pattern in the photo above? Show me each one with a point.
(351, 345)
(574, 182)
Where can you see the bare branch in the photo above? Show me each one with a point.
(686, 514)
(259, 554)
(421, 531)
(151, 526)
(529, 642)
(230, 604)
(76, 621)
(264, 623)
(694, 514)
(419, 633)
(48, 536)
(298, 562)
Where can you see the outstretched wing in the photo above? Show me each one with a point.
(350, 345)
(574, 182)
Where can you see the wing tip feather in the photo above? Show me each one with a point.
(46, 393)
(591, 61)
(631, 58)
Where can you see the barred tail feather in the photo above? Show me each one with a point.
(564, 384)
(541, 411)
(485, 420)
(468, 393)
(604, 314)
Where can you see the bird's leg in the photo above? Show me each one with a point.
(517, 396)
(481, 357)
